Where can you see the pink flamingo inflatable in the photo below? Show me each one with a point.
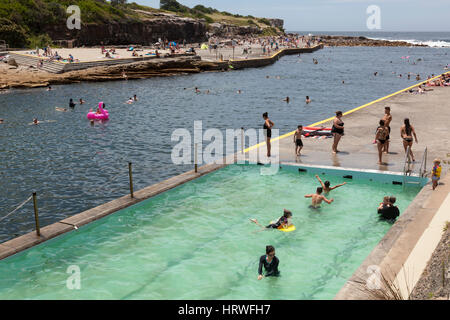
(103, 115)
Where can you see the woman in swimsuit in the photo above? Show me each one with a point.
(406, 132)
(268, 124)
(269, 262)
(381, 138)
(337, 130)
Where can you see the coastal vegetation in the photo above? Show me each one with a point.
(23, 23)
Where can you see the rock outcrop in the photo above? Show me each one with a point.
(277, 23)
(228, 30)
(144, 32)
(346, 41)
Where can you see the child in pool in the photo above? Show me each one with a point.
(385, 203)
(284, 221)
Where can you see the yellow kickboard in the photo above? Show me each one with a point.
(288, 229)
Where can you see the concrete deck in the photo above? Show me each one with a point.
(227, 53)
(358, 150)
(91, 54)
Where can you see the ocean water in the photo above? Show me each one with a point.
(196, 242)
(431, 39)
(74, 166)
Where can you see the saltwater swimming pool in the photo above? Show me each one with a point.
(196, 242)
(69, 163)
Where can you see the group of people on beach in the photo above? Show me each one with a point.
(267, 44)
(382, 134)
(337, 130)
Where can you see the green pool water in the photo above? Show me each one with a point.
(196, 242)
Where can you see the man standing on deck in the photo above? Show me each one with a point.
(387, 118)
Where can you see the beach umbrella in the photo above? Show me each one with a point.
(173, 43)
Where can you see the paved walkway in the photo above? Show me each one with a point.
(428, 113)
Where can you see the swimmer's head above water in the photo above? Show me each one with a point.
(287, 213)
(270, 250)
(319, 190)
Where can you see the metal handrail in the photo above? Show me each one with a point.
(423, 165)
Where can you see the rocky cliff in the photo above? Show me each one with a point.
(277, 23)
(152, 27)
(228, 30)
(144, 32)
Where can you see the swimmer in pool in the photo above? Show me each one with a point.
(317, 198)
(60, 109)
(82, 101)
(1, 120)
(35, 121)
(308, 100)
(326, 186)
(269, 262)
(130, 101)
(135, 98)
(286, 99)
(284, 221)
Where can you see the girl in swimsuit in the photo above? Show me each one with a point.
(406, 132)
(268, 124)
(381, 138)
(337, 130)
(284, 221)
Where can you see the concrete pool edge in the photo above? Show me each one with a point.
(29, 240)
(398, 246)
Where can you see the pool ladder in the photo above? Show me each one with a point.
(407, 171)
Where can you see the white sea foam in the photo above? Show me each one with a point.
(430, 43)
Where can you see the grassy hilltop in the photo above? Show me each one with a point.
(22, 21)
